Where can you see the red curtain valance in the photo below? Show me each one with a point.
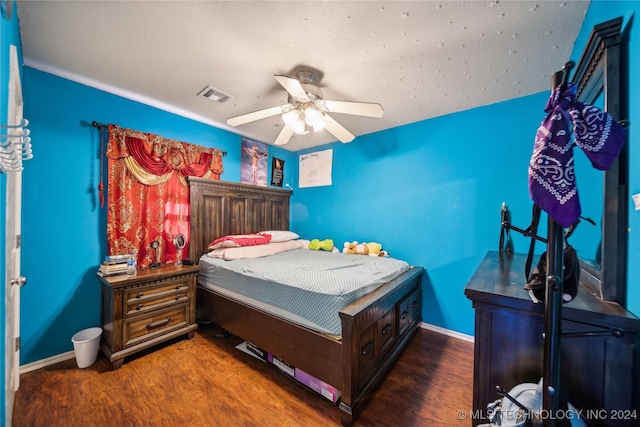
(148, 197)
(160, 156)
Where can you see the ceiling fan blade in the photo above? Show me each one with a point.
(356, 108)
(337, 130)
(292, 86)
(256, 115)
(284, 136)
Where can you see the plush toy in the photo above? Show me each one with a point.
(355, 248)
(362, 249)
(326, 245)
(349, 247)
(374, 248)
(371, 248)
(321, 245)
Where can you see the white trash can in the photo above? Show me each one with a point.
(86, 344)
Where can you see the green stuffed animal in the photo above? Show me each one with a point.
(321, 245)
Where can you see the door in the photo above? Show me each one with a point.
(13, 279)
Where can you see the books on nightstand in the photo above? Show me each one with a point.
(113, 265)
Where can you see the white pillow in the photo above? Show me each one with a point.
(281, 235)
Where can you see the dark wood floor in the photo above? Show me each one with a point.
(208, 382)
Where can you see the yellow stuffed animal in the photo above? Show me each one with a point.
(374, 248)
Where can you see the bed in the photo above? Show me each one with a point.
(372, 332)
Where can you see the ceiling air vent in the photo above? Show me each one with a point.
(214, 94)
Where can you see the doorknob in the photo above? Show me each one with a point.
(20, 281)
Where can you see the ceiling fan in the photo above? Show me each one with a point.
(306, 109)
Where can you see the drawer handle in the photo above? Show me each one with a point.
(368, 347)
(178, 297)
(178, 286)
(415, 304)
(139, 307)
(403, 316)
(139, 294)
(158, 323)
(387, 328)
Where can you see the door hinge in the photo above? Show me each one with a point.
(18, 241)
(17, 344)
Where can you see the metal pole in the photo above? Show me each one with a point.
(553, 324)
(553, 301)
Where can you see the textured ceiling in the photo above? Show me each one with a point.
(418, 59)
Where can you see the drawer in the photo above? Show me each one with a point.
(367, 352)
(144, 299)
(408, 310)
(156, 323)
(387, 330)
(414, 305)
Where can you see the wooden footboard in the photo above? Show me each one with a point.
(310, 351)
(375, 330)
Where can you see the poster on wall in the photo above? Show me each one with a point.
(277, 171)
(253, 169)
(315, 169)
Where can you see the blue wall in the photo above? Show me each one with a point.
(430, 192)
(64, 227)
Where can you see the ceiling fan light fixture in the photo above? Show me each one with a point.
(318, 125)
(290, 117)
(299, 127)
(306, 109)
(312, 115)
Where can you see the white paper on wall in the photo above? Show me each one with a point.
(315, 169)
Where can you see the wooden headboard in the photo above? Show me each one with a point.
(219, 208)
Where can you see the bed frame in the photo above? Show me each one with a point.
(375, 328)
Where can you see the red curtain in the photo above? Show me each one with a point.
(147, 192)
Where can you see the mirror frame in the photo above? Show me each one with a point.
(179, 241)
(600, 70)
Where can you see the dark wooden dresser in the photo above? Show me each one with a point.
(143, 310)
(599, 370)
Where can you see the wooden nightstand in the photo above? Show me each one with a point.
(143, 310)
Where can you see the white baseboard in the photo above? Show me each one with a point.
(448, 332)
(38, 364)
(47, 362)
